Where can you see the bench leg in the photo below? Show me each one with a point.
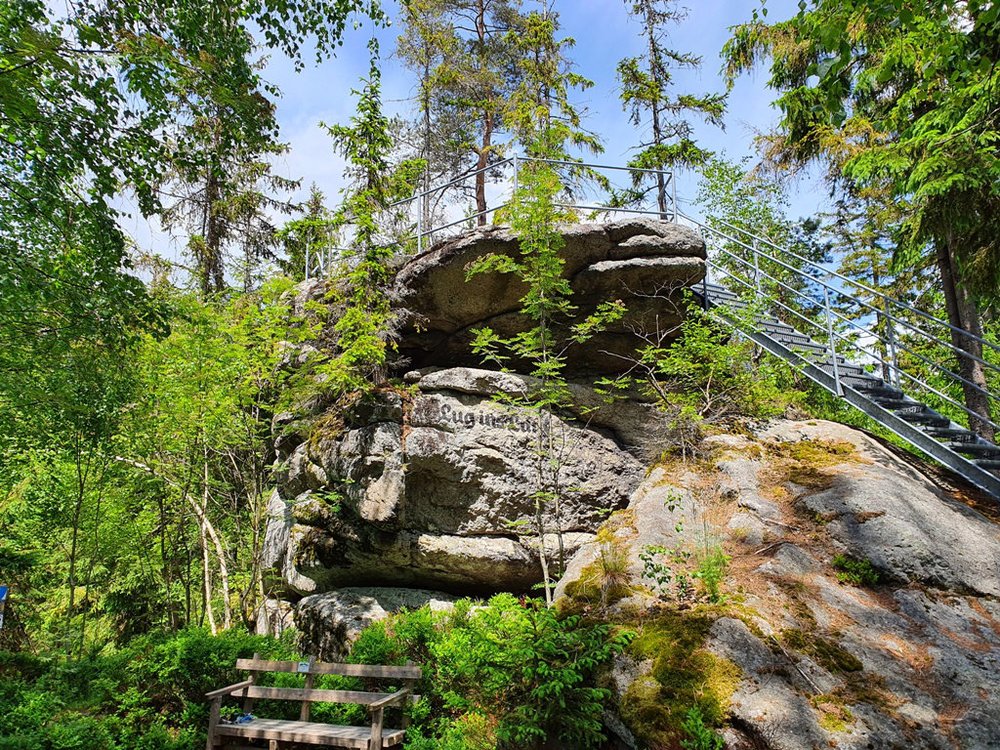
(376, 740)
(272, 745)
(213, 720)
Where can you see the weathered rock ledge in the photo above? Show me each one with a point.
(908, 661)
(435, 488)
(642, 262)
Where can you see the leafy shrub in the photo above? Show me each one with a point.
(711, 571)
(856, 572)
(148, 695)
(699, 736)
(511, 672)
(712, 375)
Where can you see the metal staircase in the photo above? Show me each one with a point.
(877, 386)
(857, 342)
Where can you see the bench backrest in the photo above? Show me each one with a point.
(410, 673)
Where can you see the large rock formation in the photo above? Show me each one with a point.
(815, 661)
(433, 485)
(644, 263)
(435, 488)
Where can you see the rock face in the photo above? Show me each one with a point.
(435, 489)
(644, 263)
(329, 623)
(907, 660)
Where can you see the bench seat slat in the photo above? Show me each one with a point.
(347, 670)
(309, 732)
(314, 695)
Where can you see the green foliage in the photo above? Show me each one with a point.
(659, 567)
(856, 572)
(364, 338)
(147, 696)
(512, 672)
(155, 455)
(744, 205)
(709, 375)
(465, 58)
(889, 68)
(711, 571)
(893, 99)
(699, 736)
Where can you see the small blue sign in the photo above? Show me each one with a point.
(3, 593)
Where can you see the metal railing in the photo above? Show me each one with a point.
(447, 209)
(850, 333)
(858, 324)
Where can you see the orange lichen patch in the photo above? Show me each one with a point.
(836, 617)
(953, 713)
(978, 645)
(918, 659)
(980, 610)
(868, 515)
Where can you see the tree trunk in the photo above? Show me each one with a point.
(654, 54)
(484, 149)
(964, 314)
(82, 473)
(484, 154)
(425, 204)
(212, 274)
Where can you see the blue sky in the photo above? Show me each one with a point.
(604, 34)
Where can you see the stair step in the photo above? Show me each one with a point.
(877, 389)
(776, 326)
(914, 411)
(900, 404)
(983, 450)
(808, 346)
(952, 434)
(863, 382)
(790, 337)
(844, 368)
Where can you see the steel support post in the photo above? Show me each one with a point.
(833, 342)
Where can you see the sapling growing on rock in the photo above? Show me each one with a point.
(544, 121)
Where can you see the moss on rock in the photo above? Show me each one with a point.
(684, 674)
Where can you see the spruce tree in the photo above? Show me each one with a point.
(646, 83)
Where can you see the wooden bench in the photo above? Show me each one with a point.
(303, 731)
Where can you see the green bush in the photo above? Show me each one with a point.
(147, 695)
(698, 735)
(711, 571)
(511, 672)
(856, 572)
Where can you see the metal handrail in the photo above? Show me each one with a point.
(854, 345)
(832, 326)
(858, 284)
(934, 365)
(878, 311)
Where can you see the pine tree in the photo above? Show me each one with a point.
(463, 54)
(646, 82)
(364, 327)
